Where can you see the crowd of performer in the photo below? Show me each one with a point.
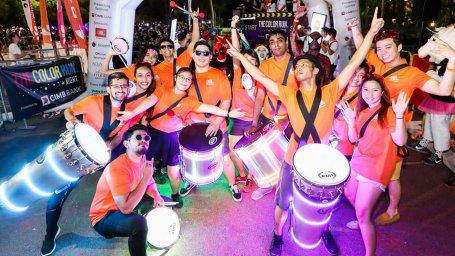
(364, 106)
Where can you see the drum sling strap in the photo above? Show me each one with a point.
(199, 96)
(309, 117)
(174, 71)
(365, 125)
(167, 109)
(349, 101)
(285, 81)
(135, 97)
(108, 127)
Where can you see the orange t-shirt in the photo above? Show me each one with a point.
(276, 70)
(324, 117)
(375, 154)
(130, 106)
(407, 79)
(340, 127)
(129, 71)
(172, 121)
(214, 87)
(91, 108)
(164, 72)
(119, 178)
(240, 97)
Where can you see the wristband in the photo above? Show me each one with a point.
(233, 28)
(450, 69)
(399, 117)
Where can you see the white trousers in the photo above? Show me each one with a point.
(437, 129)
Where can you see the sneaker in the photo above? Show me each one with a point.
(385, 219)
(248, 186)
(419, 146)
(236, 194)
(49, 244)
(240, 179)
(329, 242)
(433, 159)
(260, 192)
(177, 198)
(276, 246)
(353, 224)
(186, 188)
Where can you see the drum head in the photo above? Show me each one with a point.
(193, 138)
(92, 143)
(119, 45)
(321, 165)
(163, 227)
(131, 89)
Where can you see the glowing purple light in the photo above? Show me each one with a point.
(303, 245)
(314, 204)
(312, 222)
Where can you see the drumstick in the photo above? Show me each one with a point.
(170, 203)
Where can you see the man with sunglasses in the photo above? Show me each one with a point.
(94, 109)
(126, 183)
(166, 70)
(212, 86)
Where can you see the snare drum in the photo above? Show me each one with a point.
(120, 45)
(201, 160)
(263, 153)
(163, 227)
(65, 161)
(320, 173)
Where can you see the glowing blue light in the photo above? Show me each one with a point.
(303, 245)
(30, 184)
(312, 222)
(8, 203)
(55, 167)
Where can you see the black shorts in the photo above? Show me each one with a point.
(239, 127)
(164, 146)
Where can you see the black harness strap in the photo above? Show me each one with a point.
(199, 96)
(309, 117)
(393, 70)
(174, 71)
(135, 97)
(173, 105)
(365, 125)
(285, 81)
(108, 127)
(349, 101)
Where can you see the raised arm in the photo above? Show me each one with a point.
(235, 38)
(254, 71)
(445, 87)
(301, 11)
(195, 35)
(361, 53)
(105, 66)
(400, 135)
(356, 33)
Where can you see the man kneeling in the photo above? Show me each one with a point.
(123, 184)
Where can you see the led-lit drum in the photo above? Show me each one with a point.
(320, 173)
(77, 150)
(163, 227)
(201, 160)
(263, 153)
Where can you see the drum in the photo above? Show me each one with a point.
(263, 153)
(65, 161)
(320, 173)
(201, 160)
(120, 45)
(163, 227)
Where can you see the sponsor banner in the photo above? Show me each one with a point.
(30, 17)
(257, 30)
(74, 16)
(37, 88)
(45, 30)
(61, 24)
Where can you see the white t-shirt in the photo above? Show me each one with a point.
(13, 49)
(281, 5)
(333, 57)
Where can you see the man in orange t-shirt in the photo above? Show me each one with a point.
(126, 183)
(93, 110)
(385, 58)
(314, 126)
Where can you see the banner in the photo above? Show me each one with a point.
(74, 16)
(257, 30)
(45, 30)
(61, 24)
(36, 88)
(30, 17)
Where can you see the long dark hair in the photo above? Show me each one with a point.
(152, 86)
(385, 99)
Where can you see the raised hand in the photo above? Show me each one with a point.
(353, 22)
(347, 112)
(301, 11)
(376, 23)
(399, 106)
(235, 53)
(234, 21)
(195, 14)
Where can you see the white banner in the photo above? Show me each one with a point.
(108, 19)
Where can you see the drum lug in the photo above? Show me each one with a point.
(74, 162)
(68, 155)
(82, 167)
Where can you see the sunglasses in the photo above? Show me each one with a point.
(205, 53)
(164, 46)
(146, 138)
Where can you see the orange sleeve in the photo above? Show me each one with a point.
(119, 181)
(419, 78)
(237, 82)
(189, 104)
(372, 58)
(83, 106)
(184, 59)
(285, 93)
(159, 92)
(225, 86)
(129, 71)
(335, 92)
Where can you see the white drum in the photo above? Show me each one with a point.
(120, 45)
(320, 173)
(163, 227)
(65, 161)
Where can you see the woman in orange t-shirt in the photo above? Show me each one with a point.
(377, 127)
(164, 127)
(350, 94)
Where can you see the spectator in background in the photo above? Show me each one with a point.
(184, 39)
(14, 52)
(329, 46)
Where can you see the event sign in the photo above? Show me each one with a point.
(257, 30)
(37, 88)
(30, 17)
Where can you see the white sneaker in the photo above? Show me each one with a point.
(260, 192)
(354, 225)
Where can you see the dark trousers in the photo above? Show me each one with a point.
(55, 205)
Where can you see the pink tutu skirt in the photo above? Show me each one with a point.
(434, 106)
